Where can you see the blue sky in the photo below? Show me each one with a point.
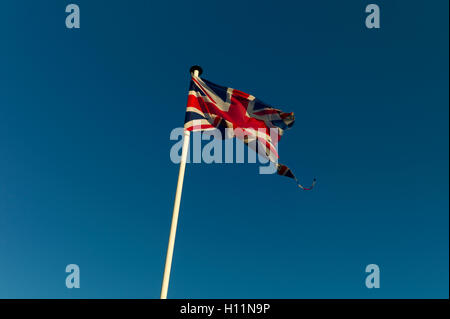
(86, 177)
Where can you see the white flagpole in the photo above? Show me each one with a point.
(196, 70)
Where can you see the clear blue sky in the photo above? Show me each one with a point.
(86, 177)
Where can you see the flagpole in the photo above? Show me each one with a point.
(196, 71)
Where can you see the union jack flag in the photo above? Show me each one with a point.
(241, 115)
